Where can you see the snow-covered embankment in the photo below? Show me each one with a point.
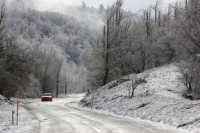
(27, 123)
(159, 100)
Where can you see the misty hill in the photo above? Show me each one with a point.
(50, 40)
(48, 27)
(90, 16)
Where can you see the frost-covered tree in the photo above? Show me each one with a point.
(50, 37)
(14, 58)
(130, 43)
(101, 9)
(110, 49)
(186, 24)
(83, 5)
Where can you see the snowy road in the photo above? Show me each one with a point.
(56, 118)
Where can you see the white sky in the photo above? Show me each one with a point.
(133, 5)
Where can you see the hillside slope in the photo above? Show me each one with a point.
(159, 100)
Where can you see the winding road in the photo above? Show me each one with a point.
(55, 117)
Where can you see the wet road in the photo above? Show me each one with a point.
(56, 118)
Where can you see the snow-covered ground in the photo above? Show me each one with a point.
(159, 100)
(27, 122)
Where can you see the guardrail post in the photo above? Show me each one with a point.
(13, 113)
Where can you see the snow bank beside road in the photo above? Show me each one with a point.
(26, 120)
(159, 100)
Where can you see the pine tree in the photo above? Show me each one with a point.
(83, 5)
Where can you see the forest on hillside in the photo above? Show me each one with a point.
(52, 49)
(127, 45)
(66, 53)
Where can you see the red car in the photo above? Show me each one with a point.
(47, 97)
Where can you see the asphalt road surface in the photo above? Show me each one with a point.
(56, 118)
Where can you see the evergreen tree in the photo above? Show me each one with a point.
(101, 9)
(83, 5)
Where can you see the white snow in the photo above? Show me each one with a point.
(27, 123)
(159, 100)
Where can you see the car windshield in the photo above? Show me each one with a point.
(47, 94)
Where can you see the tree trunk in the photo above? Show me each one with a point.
(105, 80)
(65, 88)
(57, 82)
(57, 76)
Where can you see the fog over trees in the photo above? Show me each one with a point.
(68, 53)
(53, 48)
